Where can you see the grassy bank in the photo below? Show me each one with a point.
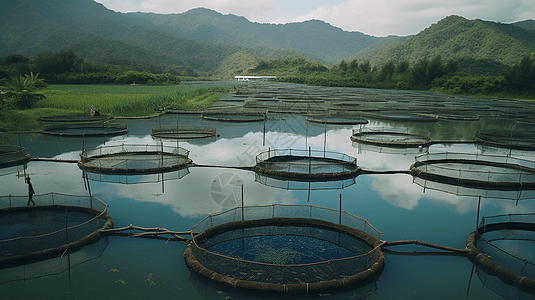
(116, 100)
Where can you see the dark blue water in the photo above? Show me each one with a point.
(282, 249)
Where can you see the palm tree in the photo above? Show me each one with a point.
(21, 89)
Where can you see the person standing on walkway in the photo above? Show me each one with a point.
(30, 191)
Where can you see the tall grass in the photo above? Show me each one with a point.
(139, 101)
(117, 88)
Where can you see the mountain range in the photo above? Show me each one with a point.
(205, 41)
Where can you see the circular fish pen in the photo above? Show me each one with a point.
(85, 130)
(55, 225)
(11, 155)
(130, 179)
(285, 249)
(303, 184)
(390, 137)
(233, 117)
(476, 170)
(503, 246)
(520, 140)
(133, 159)
(306, 164)
(337, 120)
(76, 118)
(457, 117)
(183, 132)
(400, 116)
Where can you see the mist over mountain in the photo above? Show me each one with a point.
(206, 41)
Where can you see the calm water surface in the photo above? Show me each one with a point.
(131, 268)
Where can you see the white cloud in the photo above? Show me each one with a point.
(386, 17)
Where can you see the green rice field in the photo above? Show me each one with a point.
(115, 100)
(130, 100)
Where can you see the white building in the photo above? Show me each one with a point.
(250, 78)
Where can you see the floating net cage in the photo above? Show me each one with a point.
(76, 130)
(133, 159)
(389, 149)
(303, 184)
(476, 170)
(484, 192)
(233, 117)
(503, 247)
(285, 249)
(11, 155)
(140, 178)
(391, 137)
(306, 164)
(453, 117)
(184, 132)
(57, 224)
(76, 118)
(340, 120)
(54, 265)
(385, 105)
(522, 140)
(211, 291)
(399, 116)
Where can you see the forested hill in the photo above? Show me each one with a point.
(526, 24)
(315, 38)
(482, 47)
(100, 35)
(207, 42)
(201, 39)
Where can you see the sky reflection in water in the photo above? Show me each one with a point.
(392, 203)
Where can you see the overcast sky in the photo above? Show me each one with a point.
(373, 17)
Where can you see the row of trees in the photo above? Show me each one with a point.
(425, 74)
(65, 67)
(421, 75)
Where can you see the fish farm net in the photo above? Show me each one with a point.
(140, 178)
(503, 246)
(183, 132)
(283, 248)
(56, 224)
(304, 184)
(393, 137)
(399, 116)
(76, 118)
(54, 265)
(85, 130)
(309, 164)
(522, 140)
(484, 192)
(133, 159)
(11, 155)
(389, 149)
(233, 117)
(337, 120)
(476, 170)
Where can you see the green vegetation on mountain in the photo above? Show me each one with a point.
(202, 42)
(526, 24)
(315, 39)
(474, 43)
(102, 36)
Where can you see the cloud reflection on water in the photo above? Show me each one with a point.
(191, 195)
